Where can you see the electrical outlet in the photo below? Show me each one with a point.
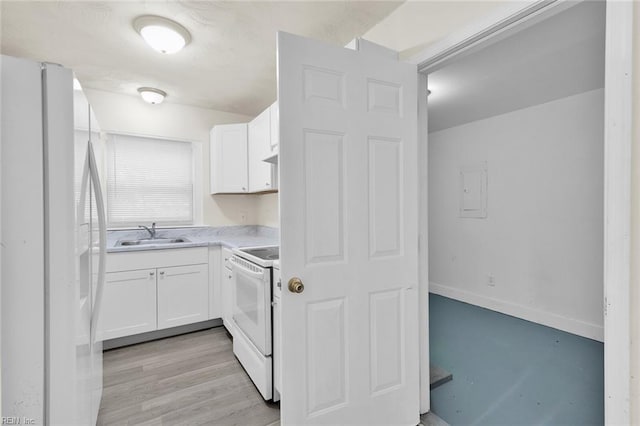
(491, 280)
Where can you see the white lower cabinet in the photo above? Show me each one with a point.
(129, 304)
(277, 334)
(155, 289)
(227, 290)
(215, 300)
(183, 295)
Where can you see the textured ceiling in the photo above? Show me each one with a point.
(558, 57)
(229, 65)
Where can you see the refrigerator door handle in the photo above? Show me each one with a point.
(102, 229)
(82, 205)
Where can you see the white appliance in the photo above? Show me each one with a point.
(53, 248)
(252, 314)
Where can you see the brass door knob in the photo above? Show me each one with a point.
(295, 285)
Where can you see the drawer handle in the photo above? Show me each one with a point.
(161, 272)
(151, 274)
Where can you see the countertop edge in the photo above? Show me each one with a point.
(150, 247)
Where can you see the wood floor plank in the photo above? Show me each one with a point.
(190, 379)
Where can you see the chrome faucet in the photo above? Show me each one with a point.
(152, 231)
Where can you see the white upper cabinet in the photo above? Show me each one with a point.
(243, 155)
(275, 129)
(260, 173)
(229, 173)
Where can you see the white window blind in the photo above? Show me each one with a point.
(149, 180)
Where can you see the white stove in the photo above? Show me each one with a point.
(252, 314)
(262, 256)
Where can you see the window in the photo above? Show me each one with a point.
(149, 180)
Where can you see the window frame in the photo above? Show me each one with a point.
(196, 169)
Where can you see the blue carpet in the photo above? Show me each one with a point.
(508, 371)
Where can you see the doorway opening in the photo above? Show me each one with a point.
(516, 186)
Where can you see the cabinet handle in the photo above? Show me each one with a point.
(161, 272)
(151, 274)
(230, 277)
(244, 189)
(268, 184)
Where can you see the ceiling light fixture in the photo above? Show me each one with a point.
(151, 95)
(162, 34)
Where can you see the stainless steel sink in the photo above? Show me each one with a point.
(149, 241)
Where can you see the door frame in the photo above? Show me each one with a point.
(617, 176)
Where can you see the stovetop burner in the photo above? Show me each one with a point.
(266, 253)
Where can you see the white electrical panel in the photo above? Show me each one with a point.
(473, 190)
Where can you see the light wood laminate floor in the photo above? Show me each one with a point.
(192, 379)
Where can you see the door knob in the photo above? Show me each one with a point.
(295, 285)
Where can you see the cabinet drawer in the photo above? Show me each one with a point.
(145, 259)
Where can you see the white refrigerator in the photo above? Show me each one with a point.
(52, 250)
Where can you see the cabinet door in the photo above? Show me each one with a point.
(183, 295)
(227, 299)
(259, 149)
(129, 304)
(228, 163)
(277, 332)
(215, 302)
(277, 338)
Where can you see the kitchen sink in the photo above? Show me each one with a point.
(149, 241)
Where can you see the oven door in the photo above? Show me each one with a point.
(252, 302)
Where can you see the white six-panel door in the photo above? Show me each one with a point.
(348, 204)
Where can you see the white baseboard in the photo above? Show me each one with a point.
(570, 325)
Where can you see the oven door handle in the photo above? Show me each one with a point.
(245, 270)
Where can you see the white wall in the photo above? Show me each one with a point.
(543, 238)
(129, 114)
(268, 210)
(417, 23)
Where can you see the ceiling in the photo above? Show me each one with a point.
(557, 57)
(230, 64)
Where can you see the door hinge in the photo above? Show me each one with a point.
(605, 306)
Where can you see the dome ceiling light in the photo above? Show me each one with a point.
(162, 34)
(151, 95)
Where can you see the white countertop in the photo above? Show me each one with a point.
(228, 236)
